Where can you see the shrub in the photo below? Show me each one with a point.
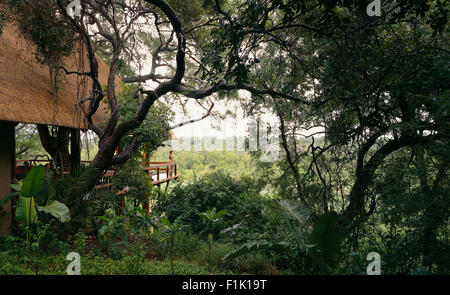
(216, 190)
(112, 234)
(10, 265)
(135, 261)
(80, 242)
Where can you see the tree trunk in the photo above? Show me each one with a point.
(355, 210)
(75, 151)
(57, 147)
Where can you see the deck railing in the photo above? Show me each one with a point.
(157, 172)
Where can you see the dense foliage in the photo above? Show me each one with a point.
(363, 108)
(216, 190)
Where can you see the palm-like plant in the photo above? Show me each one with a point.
(143, 219)
(212, 216)
(171, 229)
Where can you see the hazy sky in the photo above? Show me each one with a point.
(213, 125)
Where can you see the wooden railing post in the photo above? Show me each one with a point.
(147, 205)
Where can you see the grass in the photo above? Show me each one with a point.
(11, 264)
(191, 258)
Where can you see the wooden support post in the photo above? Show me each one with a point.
(147, 205)
(7, 156)
(75, 150)
(145, 158)
(149, 178)
(14, 224)
(167, 185)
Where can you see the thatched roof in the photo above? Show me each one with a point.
(26, 90)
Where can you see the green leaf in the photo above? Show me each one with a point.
(17, 186)
(295, 232)
(205, 215)
(33, 182)
(57, 210)
(166, 221)
(328, 238)
(220, 214)
(26, 210)
(8, 197)
(295, 210)
(103, 230)
(140, 211)
(254, 246)
(210, 213)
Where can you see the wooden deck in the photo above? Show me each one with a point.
(157, 172)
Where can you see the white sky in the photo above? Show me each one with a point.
(214, 125)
